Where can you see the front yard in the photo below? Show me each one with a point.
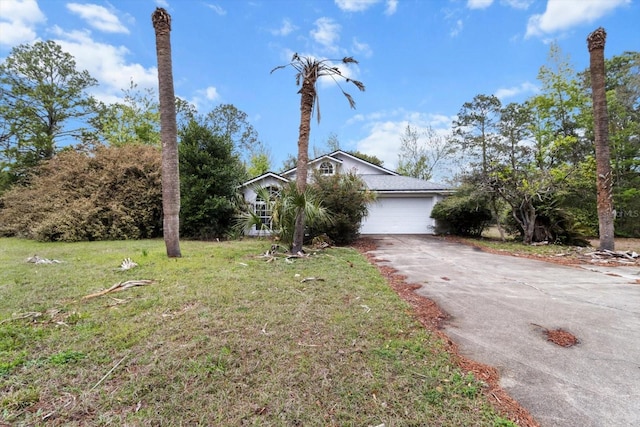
(222, 336)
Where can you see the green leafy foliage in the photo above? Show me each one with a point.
(284, 207)
(209, 175)
(466, 213)
(346, 197)
(113, 193)
(43, 101)
(134, 120)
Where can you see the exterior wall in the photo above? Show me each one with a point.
(360, 167)
(343, 163)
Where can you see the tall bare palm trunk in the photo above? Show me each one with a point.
(604, 179)
(168, 134)
(307, 99)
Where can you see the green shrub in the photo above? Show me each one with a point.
(466, 213)
(346, 197)
(209, 176)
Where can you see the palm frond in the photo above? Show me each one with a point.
(352, 103)
(349, 60)
(278, 68)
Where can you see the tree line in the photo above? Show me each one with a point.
(530, 167)
(74, 168)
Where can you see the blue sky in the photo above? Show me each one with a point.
(420, 60)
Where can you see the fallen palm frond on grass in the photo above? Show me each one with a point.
(224, 339)
(121, 286)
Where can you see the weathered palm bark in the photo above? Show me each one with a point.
(307, 100)
(168, 134)
(604, 179)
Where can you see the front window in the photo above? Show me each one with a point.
(326, 168)
(262, 208)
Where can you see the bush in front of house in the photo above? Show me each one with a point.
(465, 213)
(346, 197)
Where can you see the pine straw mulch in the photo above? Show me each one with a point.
(432, 317)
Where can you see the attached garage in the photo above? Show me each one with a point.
(399, 215)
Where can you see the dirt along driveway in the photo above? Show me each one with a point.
(502, 310)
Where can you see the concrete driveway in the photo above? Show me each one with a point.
(498, 305)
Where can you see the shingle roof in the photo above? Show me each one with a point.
(401, 183)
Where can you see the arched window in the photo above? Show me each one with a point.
(326, 168)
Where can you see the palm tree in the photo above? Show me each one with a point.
(168, 134)
(604, 179)
(308, 72)
(284, 208)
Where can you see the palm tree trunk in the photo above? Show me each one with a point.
(604, 179)
(307, 98)
(168, 134)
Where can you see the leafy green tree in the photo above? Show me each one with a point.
(476, 131)
(259, 163)
(346, 197)
(421, 152)
(308, 72)
(367, 157)
(230, 122)
(43, 104)
(135, 120)
(210, 172)
(110, 193)
(161, 21)
(623, 101)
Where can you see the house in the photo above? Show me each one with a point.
(403, 204)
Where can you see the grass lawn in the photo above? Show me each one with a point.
(221, 337)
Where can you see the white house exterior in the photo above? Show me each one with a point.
(403, 204)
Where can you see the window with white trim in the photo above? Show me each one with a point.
(326, 168)
(262, 208)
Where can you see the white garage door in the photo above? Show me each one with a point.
(399, 215)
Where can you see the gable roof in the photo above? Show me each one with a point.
(335, 156)
(264, 176)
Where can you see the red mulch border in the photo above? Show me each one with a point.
(431, 317)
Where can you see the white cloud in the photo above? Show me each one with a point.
(162, 3)
(510, 92)
(217, 9)
(518, 4)
(356, 5)
(212, 93)
(98, 17)
(285, 29)
(18, 21)
(361, 49)
(479, 4)
(564, 14)
(392, 6)
(327, 33)
(385, 130)
(204, 98)
(107, 63)
(457, 29)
